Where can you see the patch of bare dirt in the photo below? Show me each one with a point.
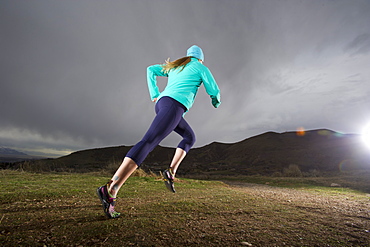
(340, 212)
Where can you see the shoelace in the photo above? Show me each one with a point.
(170, 175)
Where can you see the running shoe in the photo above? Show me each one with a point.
(107, 202)
(168, 178)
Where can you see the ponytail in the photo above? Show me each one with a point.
(179, 63)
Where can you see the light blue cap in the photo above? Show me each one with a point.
(195, 51)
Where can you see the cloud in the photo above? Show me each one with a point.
(73, 72)
(360, 45)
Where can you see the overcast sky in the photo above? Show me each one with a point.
(73, 72)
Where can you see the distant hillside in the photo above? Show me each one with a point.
(265, 154)
(9, 151)
(12, 155)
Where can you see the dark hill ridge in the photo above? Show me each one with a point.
(323, 150)
(270, 152)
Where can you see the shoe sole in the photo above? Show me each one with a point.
(168, 184)
(103, 202)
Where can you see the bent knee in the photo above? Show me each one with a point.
(190, 139)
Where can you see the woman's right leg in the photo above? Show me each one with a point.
(126, 169)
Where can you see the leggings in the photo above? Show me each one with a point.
(169, 118)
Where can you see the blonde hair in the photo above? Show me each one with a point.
(177, 64)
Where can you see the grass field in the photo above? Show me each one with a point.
(63, 210)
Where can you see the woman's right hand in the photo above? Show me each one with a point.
(155, 99)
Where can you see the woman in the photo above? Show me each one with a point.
(185, 76)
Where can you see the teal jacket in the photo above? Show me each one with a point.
(183, 85)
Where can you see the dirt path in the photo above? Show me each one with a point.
(348, 214)
(332, 203)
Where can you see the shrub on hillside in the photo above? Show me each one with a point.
(292, 171)
(112, 167)
(312, 173)
(141, 173)
(277, 174)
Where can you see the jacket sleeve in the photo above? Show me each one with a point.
(211, 87)
(152, 72)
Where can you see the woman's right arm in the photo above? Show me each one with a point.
(152, 72)
(211, 87)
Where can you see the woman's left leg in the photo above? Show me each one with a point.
(184, 130)
(176, 160)
(169, 116)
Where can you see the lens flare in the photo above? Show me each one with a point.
(366, 135)
(346, 165)
(300, 131)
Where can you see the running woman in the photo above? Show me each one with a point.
(185, 76)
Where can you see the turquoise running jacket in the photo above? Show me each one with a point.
(183, 84)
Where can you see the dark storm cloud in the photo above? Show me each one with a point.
(73, 72)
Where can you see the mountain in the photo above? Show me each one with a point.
(265, 154)
(9, 151)
(8, 155)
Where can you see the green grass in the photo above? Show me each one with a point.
(63, 210)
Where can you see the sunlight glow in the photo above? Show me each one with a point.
(366, 135)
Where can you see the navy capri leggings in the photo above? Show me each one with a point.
(169, 118)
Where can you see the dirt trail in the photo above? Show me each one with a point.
(350, 214)
(335, 203)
